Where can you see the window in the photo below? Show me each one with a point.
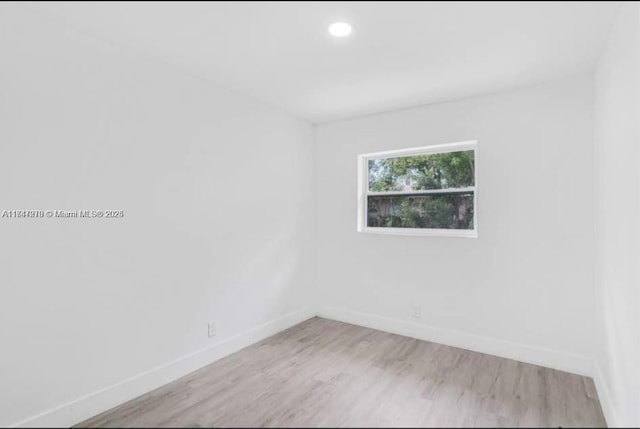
(421, 191)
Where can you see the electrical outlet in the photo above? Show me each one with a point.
(417, 311)
(212, 329)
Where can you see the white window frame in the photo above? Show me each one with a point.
(363, 190)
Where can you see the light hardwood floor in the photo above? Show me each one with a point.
(326, 373)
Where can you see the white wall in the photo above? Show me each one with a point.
(617, 138)
(96, 311)
(525, 287)
(216, 226)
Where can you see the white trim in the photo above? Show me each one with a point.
(426, 232)
(363, 191)
(466, 190)
(89, 405)
(563, 361)
(604, 396)
(439, 148)
(99, 401)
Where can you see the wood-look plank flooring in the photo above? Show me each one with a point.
(323, 373)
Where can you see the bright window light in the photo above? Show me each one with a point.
(430, 190)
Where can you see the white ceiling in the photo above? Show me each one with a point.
(400, 54)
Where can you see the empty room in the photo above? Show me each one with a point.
(319, 214)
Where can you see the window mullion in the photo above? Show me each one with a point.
(450, 211)
(468, 189)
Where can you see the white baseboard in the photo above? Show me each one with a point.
(94, 403)
(604, 396)
(563, 361)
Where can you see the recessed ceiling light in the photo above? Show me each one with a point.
(340, 29)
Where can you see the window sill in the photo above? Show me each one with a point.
(462, 233)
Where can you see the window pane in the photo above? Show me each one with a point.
(422, 172)
(443, 211)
